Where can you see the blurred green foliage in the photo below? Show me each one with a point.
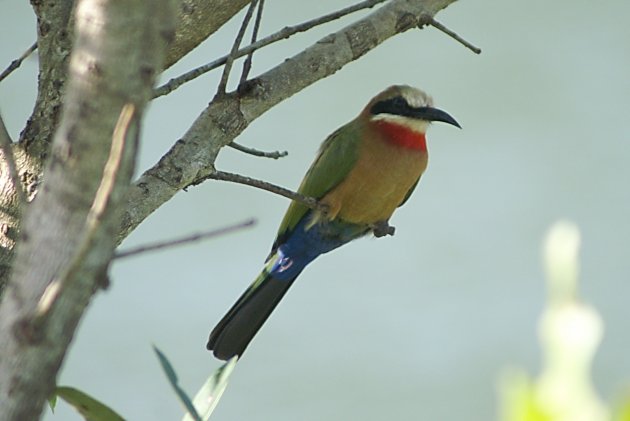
(199, 409)
(570, 332)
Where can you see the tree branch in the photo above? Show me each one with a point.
(453, 35)
(237, 42)
(184, 240)
(247, 66)
(67, 278)
(193, 156)
(67, 232)
(17, 62)
(256, 152)
(53, 46)
(6, 146)
(259, 184)
(284, 33)
(196, 21)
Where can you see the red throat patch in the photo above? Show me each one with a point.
(401, 135)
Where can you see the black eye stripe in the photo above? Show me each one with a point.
(397, 106)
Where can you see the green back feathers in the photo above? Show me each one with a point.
(337, 156)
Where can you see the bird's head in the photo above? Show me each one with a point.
(405, 106)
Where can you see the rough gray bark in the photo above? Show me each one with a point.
(196, 20)
(31, 151)
(64, 246)
(66, 240)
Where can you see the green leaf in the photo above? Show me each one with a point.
(208, 396)
(172, 378)
(518, 398)
(87, 406)
(52, 402)
(622, 412)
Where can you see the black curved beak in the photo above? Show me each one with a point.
(434, 114)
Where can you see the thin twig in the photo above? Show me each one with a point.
(453, 35)
(247, 66)
(110, 171)
(7, 150)
(256, 152)
(284, 33)
(380, 229)
(17, 62)
(183, 240)
(241, 179)
(237, 43)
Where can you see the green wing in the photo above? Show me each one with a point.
(337, 156)
(410, 192)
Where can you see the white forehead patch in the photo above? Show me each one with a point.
(416, 98)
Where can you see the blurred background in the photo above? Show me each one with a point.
(415, 326)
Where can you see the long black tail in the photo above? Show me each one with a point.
(237, 328)
(233, 333)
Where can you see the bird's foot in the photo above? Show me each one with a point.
(321, 207)
(382, 228)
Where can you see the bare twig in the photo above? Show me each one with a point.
(237, 43)
(184, 240)
(110, 171)
(17, 62)
(241, 179)
(247, 66)
(453, 35)
(256, 152)
(93, 219)
(284, 33)
(7, 150)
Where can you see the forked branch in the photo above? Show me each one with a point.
(284, 33)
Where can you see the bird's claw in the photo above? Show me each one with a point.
(382, 229)
(322, 207)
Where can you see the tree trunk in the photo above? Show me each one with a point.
(66, 240)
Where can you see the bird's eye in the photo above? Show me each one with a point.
(396, 105)
(400, 102)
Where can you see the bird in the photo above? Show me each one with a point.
(363, 172)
